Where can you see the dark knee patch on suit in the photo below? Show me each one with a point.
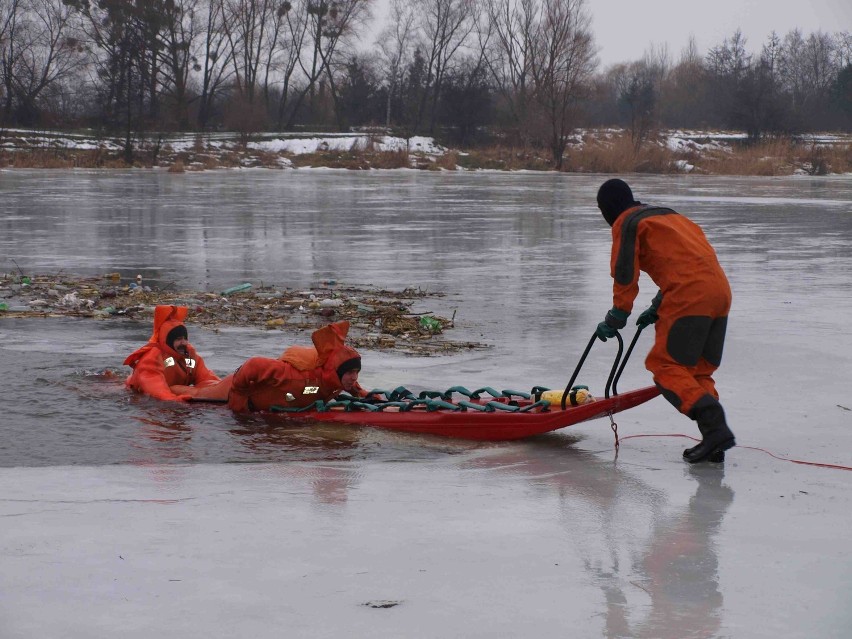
(672, 398)
(687, 339)
(715, 341)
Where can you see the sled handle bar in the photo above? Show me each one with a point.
(624, 361)
(615, 371)
(583, 360)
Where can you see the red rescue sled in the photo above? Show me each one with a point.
(492, 424)
(502, 418)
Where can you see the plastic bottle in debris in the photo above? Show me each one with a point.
(430, 323)
(239, 288)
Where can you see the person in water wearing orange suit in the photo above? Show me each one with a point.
(168, 363)
(301, 376)
(690, 310)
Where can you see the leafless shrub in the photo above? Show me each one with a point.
(448, 161)
(398, 159)
(770, 157)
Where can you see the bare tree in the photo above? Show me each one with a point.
(284, 57)
(808, 70)
(395, 48)
(11, 15)
(683, 100)
(331, 23)
(657, 63)
(792, 68)
(844, 48)
(727, 66)
(563, 62)
(251, 27)
(636, 94)
(8, 9)
(820, 63)
(444, 27)
(123, 39)
(211, 60)
(757, 106)
(512, 25)
(177, 36)
(53, 56)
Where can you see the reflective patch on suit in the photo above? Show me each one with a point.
(190, 363)
(310, 390)
(169, 361)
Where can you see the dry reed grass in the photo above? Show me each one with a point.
(822, 160)
(618, 154)
(448, 161)
(771, 157)
(399, 159)
(768, 158)
(505, 158)
(783, 156)
(354, 160)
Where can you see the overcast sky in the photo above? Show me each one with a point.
(624, 29)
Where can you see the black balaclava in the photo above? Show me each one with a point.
(176, 333)
(614, 197)
(353, 364)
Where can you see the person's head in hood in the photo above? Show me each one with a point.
(615, 197)
(348, 373)
(178, 339)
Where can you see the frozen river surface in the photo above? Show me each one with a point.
(127, 517)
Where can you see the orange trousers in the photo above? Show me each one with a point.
(690, 336)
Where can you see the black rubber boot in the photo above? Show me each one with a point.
(716, 436)
(716, 457)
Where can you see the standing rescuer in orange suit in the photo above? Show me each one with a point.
(168, 363)
(690, 310)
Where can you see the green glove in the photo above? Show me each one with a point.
(604, 330)
(647, 317)
(615, 319)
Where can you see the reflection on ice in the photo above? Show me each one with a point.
(662, 578)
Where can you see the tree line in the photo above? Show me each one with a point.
(519, 72)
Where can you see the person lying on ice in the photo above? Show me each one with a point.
(690, 310)
(168, 364)
(301, 376)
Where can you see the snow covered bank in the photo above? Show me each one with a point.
(595, 151)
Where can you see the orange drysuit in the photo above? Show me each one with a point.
(157, 366)
(696, 298)
(301, 376)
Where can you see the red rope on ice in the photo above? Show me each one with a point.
(762, 450)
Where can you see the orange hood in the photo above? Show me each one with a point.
(165, 319)
(329, 350)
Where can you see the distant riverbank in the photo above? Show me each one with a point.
(593, 151)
